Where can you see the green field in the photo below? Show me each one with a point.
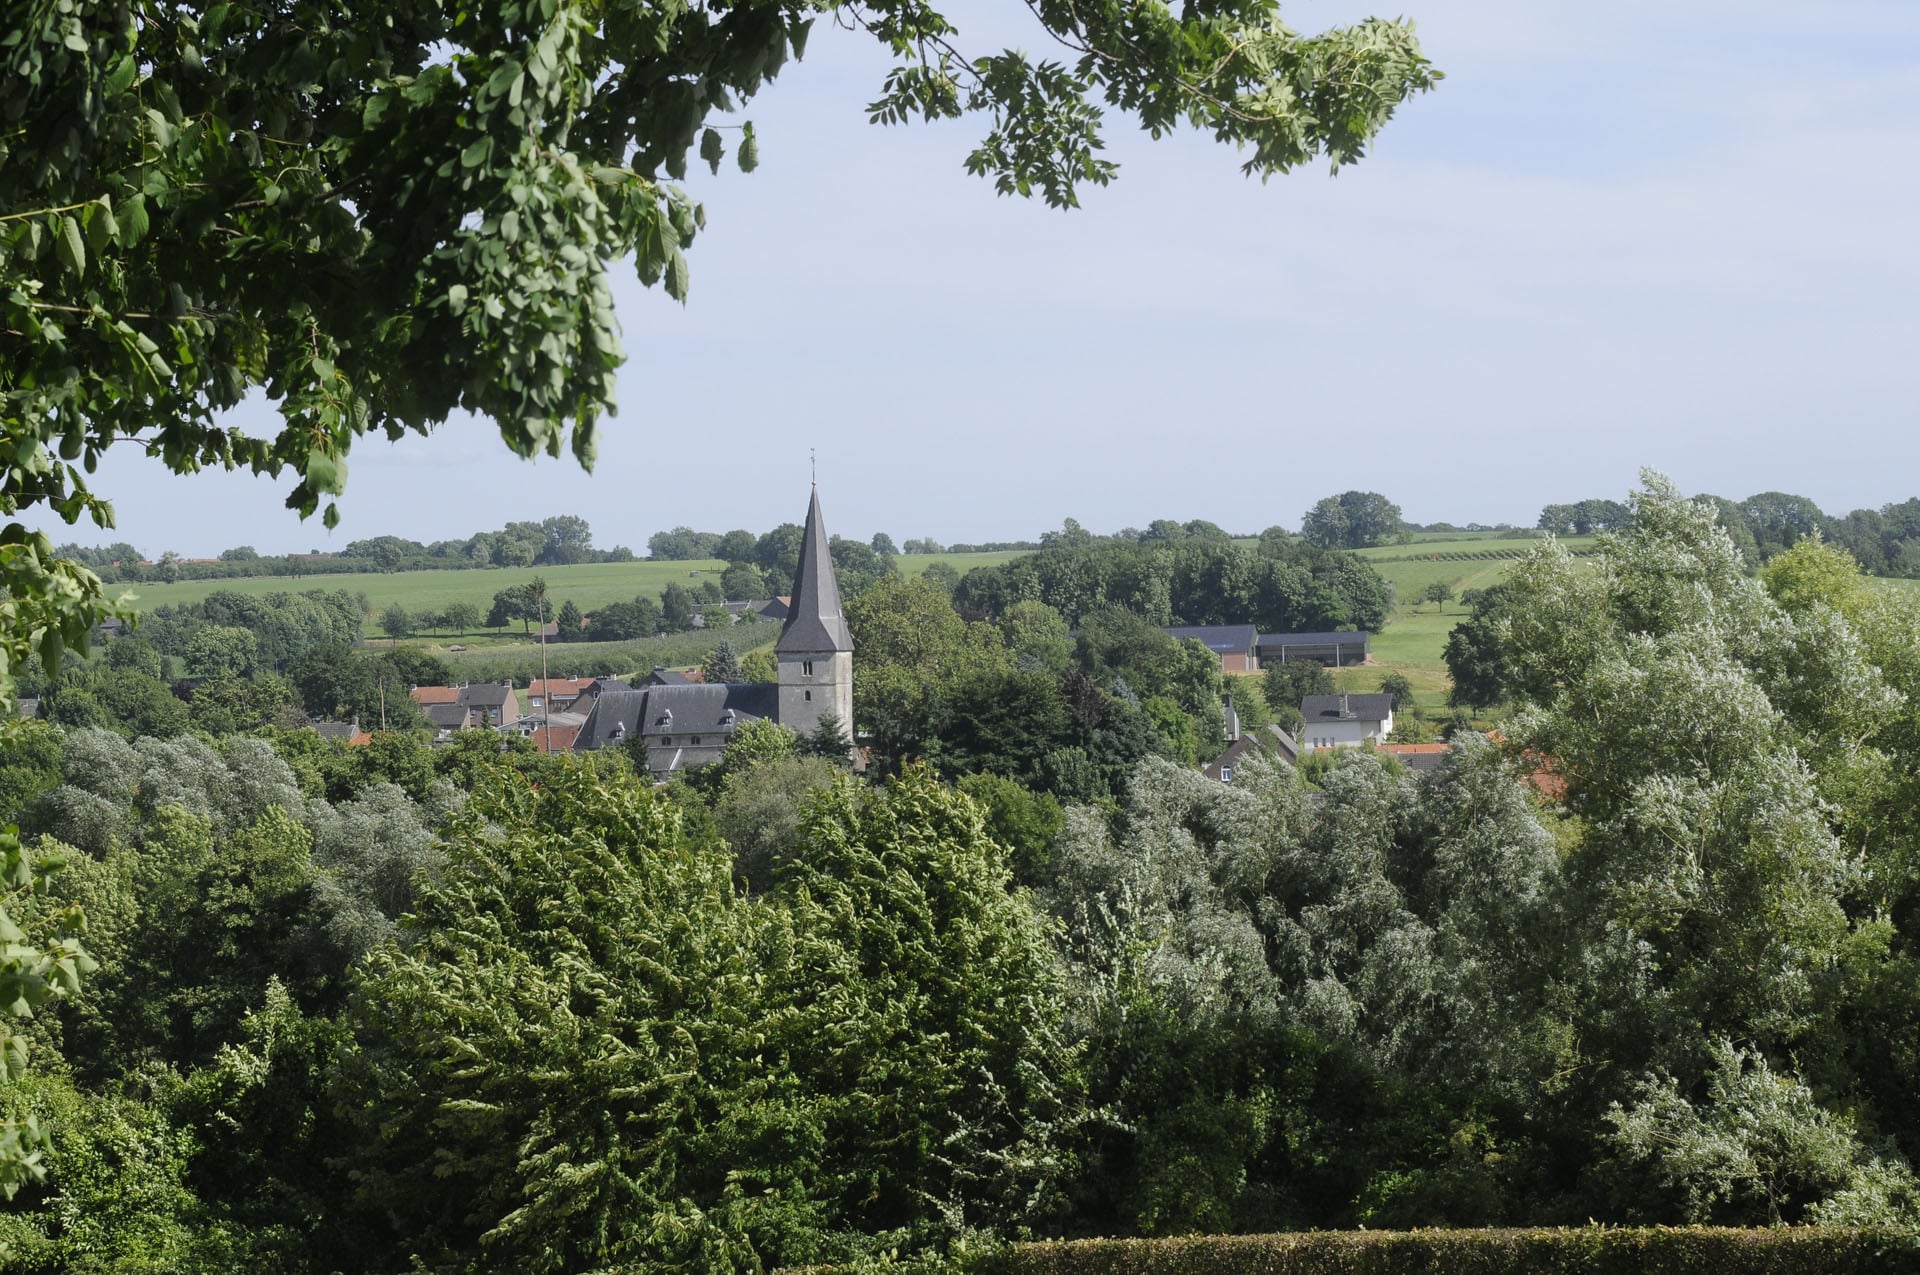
(587, 585)
(1483, 545)
(913, 565)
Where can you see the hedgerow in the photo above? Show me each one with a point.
(1585, 1251)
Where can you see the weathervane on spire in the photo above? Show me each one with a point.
(813, 464)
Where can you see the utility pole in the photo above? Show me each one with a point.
(546, 689)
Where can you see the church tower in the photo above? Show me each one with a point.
(815, 650)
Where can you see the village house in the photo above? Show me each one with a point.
(1418, 758)
(1273, 741)
(555, 694)
(469, 706)
(1345, 721)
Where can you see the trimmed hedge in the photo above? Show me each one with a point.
(1589, 1251)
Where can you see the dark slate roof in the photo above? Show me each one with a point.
(666, 677)
(697, 710)
(1365, 708)
(1221, 639)
(485, 695)
(446, 716)
(815, 622)
(601, 685)
(1312, 639)
(335, 730)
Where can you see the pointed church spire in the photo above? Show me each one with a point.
(814, 621)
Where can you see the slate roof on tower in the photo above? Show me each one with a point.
(815, 623)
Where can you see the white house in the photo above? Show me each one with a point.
(1344, 721)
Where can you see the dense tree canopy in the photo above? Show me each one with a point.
(1351, 520)
(1282, 586)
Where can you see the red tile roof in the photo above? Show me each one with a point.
(561, 738)
(563, 686)
(435, 694)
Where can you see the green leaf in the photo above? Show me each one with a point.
(120, 78)
(749, 150)
(133, 221)
(677, 275)
(323, 472)
(72, 249)
(99, 225)
(457, 298)
(712, 149)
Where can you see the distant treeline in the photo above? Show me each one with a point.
(555, 541)
(1884, 541)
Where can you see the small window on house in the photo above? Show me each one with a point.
(809, 697)
(1226, 774)
(695, 742)
(806, 669)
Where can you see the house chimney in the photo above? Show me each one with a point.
(1345, 709)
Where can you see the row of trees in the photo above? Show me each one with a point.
(1884, 541)
(1280, 585)
(556, 541)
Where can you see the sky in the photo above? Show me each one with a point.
(1641, 234)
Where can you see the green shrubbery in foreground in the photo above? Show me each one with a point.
(1587, 1251)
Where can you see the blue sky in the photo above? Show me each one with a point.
(1637, 234)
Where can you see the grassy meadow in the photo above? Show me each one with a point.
(587, 585)
(914, 565)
